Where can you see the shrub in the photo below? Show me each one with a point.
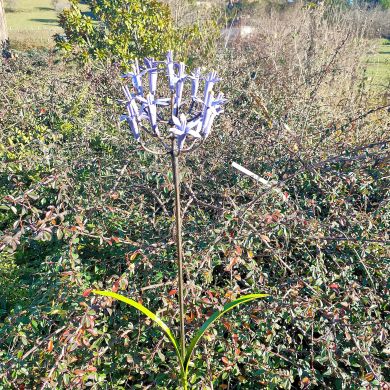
(123, 30)
(85, 208)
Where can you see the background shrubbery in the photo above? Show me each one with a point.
(81, 206)
(120, 31)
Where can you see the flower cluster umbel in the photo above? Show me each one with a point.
(189, 119)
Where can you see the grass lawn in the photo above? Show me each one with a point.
(379, 64)
(32, 23)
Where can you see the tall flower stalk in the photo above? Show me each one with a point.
(173, 126)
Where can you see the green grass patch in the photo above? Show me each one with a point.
(32, 23)
(379, 64)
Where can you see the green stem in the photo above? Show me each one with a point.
(184, 380)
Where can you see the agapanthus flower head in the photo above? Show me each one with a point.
(189, 118)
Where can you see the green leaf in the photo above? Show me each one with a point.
(229, 306)
(149, 314)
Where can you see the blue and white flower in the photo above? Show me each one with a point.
(171, 71)
(210, 80)
(183, 128)
(136, 78)
(152, 70)
(195, 80)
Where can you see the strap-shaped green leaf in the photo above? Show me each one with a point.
(229, 306)
(148, 313)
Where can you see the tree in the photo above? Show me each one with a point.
(120, 30)
(3, 25)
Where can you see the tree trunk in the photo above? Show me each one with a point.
(3, 25)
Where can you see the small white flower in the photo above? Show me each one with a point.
(180, 79)
(152, 69)
(210, 80)
(195, 78)
(171, 71)
(183, 128)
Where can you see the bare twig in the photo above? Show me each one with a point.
(39, 343)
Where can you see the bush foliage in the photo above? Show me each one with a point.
(123, 30)
(82, 207)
